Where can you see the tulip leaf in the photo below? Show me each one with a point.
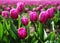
(19, 21)
(1, 30)
(5, 39)
(8, 28)
(50, 37)
(28, 29)
(33, 40)
(12, 26)
(40, 31)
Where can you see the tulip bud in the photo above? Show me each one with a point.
(5, 14)
(33, 16)
(14, 13)
(43, 17)
(22, 33)
(25, 21)
(51, 12)
(20, 6)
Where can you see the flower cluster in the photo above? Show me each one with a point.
(39, 13)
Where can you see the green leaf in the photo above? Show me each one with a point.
(40, 31)
(1, 31)
(28, 28)
(51, 36)
(12, 27)
(33, 40)
(8, 28)
(29, 38)
(19, 21)
(13, 34)
(5, 39)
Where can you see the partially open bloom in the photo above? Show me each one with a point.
(20, 6)
(22, 33)
(14, 13)
(25, 21)
(43, 17)
(51, 12)
(5, 14)
(33, 16)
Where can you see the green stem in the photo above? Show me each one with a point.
(53, 25)
(19, 21)
(35, 27)
(28, 30)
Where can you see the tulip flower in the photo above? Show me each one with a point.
(20, 6)
(43, 17)
(58, 8)
(22, 33)
(39, 7)
(14, 13)
(25, 21)
(5, 14)
(51, 12)
(33, 16)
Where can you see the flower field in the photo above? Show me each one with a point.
(29, 21)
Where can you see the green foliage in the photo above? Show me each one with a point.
(1, 31)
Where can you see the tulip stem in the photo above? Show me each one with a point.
(34, 27)
(19, 21)
(53, 25)
(28, 30)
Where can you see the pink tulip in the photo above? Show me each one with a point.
(51, 12)
(58, 8)
(20, 6)
(5, 14)
(43, 17)
(22, 33)
(39, 7)
(14, 13)
(25, 21)
(33, 16)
